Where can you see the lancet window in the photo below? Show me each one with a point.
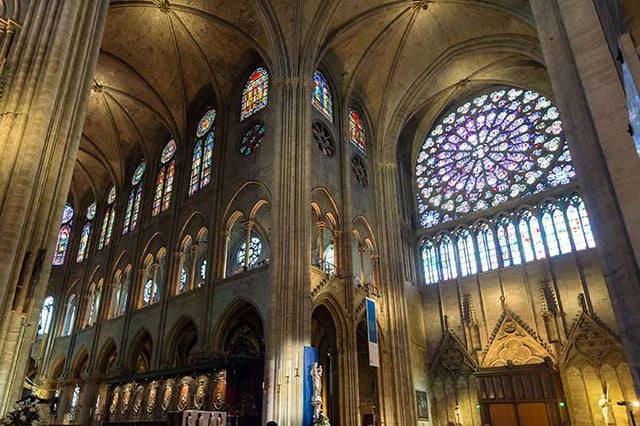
(108, 220)
(164, 180)
(85, 237)
(321, 98)
(133, 203)
(203, 152)
(255, 93)
(63, 235)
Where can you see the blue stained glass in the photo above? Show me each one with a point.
(322, 96)
(501, 139)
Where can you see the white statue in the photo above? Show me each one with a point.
(605, 406)
(316, 395)
(458, 415)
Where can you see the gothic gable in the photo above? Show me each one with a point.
(591, 342)
(452, 359)
(513, 342)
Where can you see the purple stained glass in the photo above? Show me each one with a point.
(499, 146)
(137, 175)
(168, 151)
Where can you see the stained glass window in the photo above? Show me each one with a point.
(466, 253)
(356, 130)
(108, 220)
(322, 96)
(203, 152)
(486, 247)
(46, 313)
(252, 255)
(164, 181)
(84, 242)
(499, 146)
(85, 238)
(154, 278)
(133, 202)
(70, 315)
(93, 304)
(74, 403)
(121, 292)
(519, 237)
(252, 138)
(447, 258)
(255, 93)
(63, 236)
(430, 262)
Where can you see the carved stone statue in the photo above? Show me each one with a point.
(605, 406)
(316, 395)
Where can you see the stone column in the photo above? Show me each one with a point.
(41, 118)
(592, 106)
(289, 323)
(396, 392)
(86, 408)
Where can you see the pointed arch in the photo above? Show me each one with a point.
(181, 340)
(240, 330)
(141, 352)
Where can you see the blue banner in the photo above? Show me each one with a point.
(372, 334)
(310, 356)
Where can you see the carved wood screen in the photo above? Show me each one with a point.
(520, 396)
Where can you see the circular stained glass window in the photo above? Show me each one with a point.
(322, 137)
(137, 175)
(67, 213)
(505, 144)
(359, 170)
(255, 249)
(91, 211)
(168, 151)
(206, 122)
(112, 195)
(252, 138)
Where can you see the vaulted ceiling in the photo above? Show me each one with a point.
(163, 60)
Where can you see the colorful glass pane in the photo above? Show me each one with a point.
(466, 253)
(447, 258)
(356, 130)
(196, 163)
(61, 244)
(255, 93)
(136, 208)
(157, 199)
(576, 228)
(137, 175)
(207, 158)
(168, 151)
(538, 243)
(103, 230)
(562, 231)
(84, 242)
(486, 248)
(91, 211)
(586, 226)
(112, 218)
(168, 186)
(550, 233)
(252, 138)
(206, 123)
(112, 195)
(525, 235)
(430, 263)
(503, 145)
(67, 213)
(128, 213)
(322, 96)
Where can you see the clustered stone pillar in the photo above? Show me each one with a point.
(591, 101)
(42, 112)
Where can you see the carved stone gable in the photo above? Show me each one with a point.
(513, 342)
(452, 358)
(591, 342)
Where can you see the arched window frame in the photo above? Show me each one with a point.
(135, 197)
(153, 278)
(430, 262)
(165, 178)
(357, 130)
(255, 94)
(70, 315)
(487, 247)
(85, 237)
(466, 253)
(46, 314)
(322, 99)
(64, 234)
(202, 158)
(108, 219)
